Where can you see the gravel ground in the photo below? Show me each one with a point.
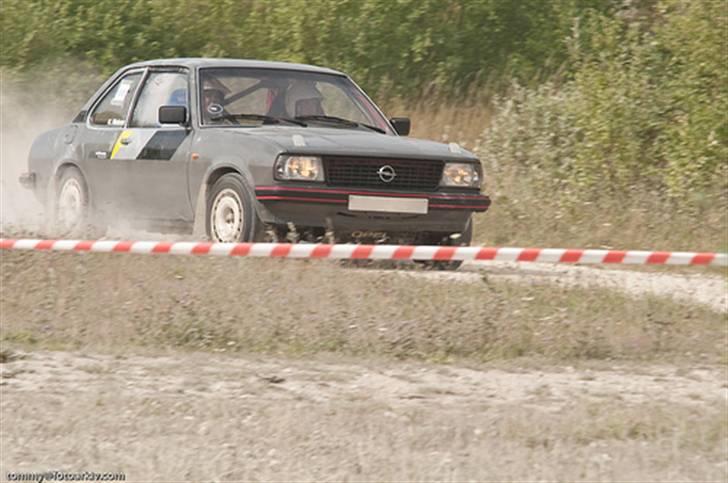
(204, 417)
(696, 287)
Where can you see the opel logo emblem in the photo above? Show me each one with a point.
(387, 173)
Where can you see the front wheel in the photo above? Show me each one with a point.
(231, 215)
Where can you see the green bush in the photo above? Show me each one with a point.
(644, 109)
(393, 47)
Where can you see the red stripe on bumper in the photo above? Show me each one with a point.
(437, 201)
(459, 207)
(299, 198)
(283, 189)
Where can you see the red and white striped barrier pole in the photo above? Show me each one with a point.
(375, 252)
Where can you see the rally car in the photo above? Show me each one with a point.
(252, 151)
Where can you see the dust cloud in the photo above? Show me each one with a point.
(33, 101)
(22, 119)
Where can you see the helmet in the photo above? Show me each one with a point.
(303, 99)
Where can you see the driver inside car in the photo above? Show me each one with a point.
(303, 99)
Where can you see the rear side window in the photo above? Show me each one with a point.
(160, 89)
(114, 107)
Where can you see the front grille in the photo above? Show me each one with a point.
(411, 174)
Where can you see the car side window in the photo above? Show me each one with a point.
(160, 89)
(114, 107)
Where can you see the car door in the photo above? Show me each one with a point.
(153, 157)
(104, 125)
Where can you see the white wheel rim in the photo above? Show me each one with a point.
(226, 218)
(70, 204)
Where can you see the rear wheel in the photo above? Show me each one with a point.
(231, 216)
(71, 214)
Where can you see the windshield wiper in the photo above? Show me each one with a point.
(339, 120)
(257, 117)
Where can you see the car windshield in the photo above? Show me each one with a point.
(251, 97)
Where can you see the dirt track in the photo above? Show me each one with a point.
(268, 379)
(205, 418)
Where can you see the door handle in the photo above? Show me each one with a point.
(125, 141)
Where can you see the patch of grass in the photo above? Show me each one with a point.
(115, 302)
(522, 215)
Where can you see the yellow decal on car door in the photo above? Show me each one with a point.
(131, 142)
(148, 143)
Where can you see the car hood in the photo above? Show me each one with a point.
(352, 142)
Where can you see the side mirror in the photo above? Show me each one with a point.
(172, 114)
(401, 125)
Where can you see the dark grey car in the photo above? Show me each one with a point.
(254, 150)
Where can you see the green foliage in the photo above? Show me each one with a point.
(393, 47)
(644, 109)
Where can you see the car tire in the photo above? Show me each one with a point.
(70, 214)
(230, 214)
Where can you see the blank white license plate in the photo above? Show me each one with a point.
(388, 205)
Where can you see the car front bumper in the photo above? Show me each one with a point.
(319, 206)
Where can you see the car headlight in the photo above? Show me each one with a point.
(299, 168)
(461, 175)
